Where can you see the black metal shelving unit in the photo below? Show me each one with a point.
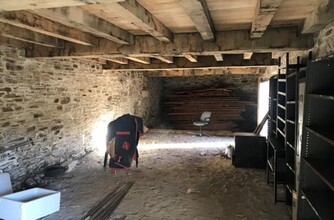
(282, 129)
(275, 171)
(316, 199)
(294, 75)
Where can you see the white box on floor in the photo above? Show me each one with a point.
(29, 204)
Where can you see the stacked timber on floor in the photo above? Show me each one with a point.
(229, 112)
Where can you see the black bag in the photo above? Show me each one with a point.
(126, 131)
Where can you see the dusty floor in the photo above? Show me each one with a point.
(187, 178)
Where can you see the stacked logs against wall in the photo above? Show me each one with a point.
(229, 112)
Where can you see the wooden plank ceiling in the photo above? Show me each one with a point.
(162, 35)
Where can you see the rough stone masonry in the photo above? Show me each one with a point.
(58, 104)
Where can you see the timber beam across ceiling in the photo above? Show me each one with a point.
(199, 13)
(206, 72)
(265, 10)
(35, 23)
(14, 5)
(228, 42)
(248, 55)
(141, 60)
(204, 62)
(191, 58)
(24, 35)
(78, 18)
(137, 15)
(164, 59)
(219, 57)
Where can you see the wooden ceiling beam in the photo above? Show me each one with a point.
(29, 21)
(219, 57)
(14, 5)
(207, 72)
(14, 42)
(97, 61)
(164, 59)
(191, 58)
(137, 15)
(264, 13)
(141, 60)
(119, 60)
(205, 62)
(319, 18)
(78, 18)
(248, 56)
(199, 13)
(21, 34)
(229, 42)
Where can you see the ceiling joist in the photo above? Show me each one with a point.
(137, 15)
(203, 63)
(14, 5)
(24, 35)
(119, 60)
(41, 25)
(191, 58)
(184, 44)
(219, 57)
(141, 60)
(248, 56)
(199, 13)
(80, 19)
(206, 72)
(264, 13)
(164, 59)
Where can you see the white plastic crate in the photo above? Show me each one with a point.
(29, 204)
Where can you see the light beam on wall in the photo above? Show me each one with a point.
(99, 132)
(263, 103)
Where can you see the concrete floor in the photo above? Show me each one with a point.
(180, 176)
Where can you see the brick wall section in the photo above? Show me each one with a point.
(58, 103)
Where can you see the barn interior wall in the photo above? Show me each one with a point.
(53, 111)
(243, 86)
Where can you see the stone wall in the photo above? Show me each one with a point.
(53, 111)
(324, 42)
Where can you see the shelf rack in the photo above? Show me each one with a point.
(282, 129)
(316, 200)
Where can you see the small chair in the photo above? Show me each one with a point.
(203, 121)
